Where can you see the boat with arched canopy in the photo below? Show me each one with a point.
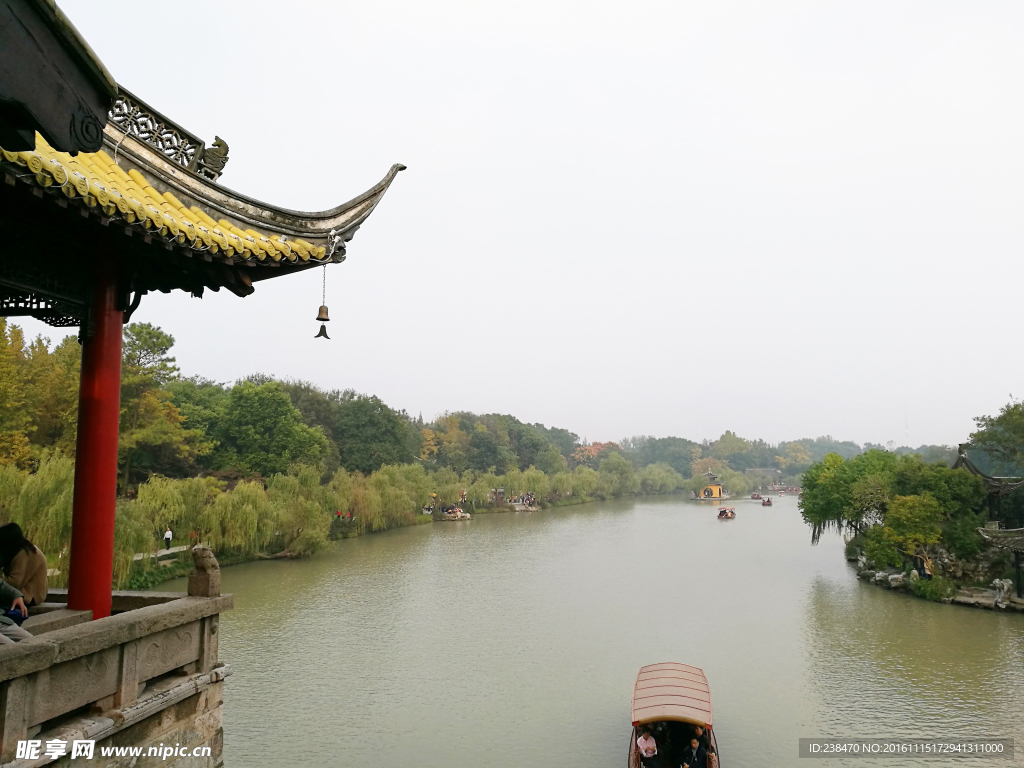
(671, 699)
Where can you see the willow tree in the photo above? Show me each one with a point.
(367, 507)
(561, 484)
(659, 478)
(446, 485)
(584, 481)
(42, 506)
(536, 482)
(132, 535)
(243, 520)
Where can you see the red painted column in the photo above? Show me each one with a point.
(99, 410)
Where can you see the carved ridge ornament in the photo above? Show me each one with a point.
(149, 128)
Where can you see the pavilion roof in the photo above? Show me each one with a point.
(1007, 538)
(144, 202)
(177, 227)
(996, 485)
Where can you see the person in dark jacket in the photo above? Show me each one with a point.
(701, 736)
(695, 756)
(11, 600)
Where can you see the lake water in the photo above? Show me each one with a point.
(514, 639)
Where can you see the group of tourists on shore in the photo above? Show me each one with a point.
(676, 745)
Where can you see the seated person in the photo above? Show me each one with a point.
(11, 599)
(24, 566)
(695, 756)
(648, 749)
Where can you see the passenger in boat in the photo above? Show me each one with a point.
(699, 735)
(695, 756)
(648, 749)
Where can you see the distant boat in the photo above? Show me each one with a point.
(726, 513)
(766, 502)
(755, 496)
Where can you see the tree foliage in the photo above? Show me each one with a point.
(899, 504)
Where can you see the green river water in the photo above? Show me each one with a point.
(514, 640)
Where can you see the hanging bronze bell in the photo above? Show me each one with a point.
(323, 318)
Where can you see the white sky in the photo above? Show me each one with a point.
(786, 219)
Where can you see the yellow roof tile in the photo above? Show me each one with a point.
(128, 193)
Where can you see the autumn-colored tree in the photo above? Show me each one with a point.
(153, 436)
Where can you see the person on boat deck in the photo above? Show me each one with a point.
(695, 756)
(648, 748)
(23, 565)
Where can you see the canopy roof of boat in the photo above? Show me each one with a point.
(671, 691)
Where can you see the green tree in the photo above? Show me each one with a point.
(618, 475)
(728, 444)
(53, 379)
(829, 497)
(369, 434)
(550, 460)
(1002, 436)
(911, 524)
(262, 432)
(15, 419)
(153, 437)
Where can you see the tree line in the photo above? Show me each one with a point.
(264, 465)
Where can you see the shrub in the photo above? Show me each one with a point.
(961, 536)
(936, 588)
(854, 546)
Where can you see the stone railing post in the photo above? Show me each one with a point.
(128, 676)
(204, 581)
(14, 708)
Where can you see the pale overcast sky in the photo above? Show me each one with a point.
(786, 219)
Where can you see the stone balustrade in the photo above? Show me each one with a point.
(145, 676)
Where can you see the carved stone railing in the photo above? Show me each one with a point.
(148, 674)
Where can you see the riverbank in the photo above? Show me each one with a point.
(997, 597)
(341, 529)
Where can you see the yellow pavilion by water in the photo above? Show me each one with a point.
(713, 490)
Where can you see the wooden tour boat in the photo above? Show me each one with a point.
(671, 700)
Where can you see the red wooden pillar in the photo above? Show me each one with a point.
(99, 410)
